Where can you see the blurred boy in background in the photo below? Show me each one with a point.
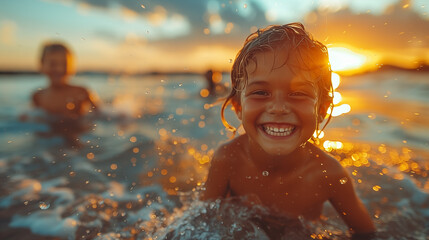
(66, 104)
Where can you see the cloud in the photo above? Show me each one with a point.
(178, 31)
(197, 13)
(397, 28)
(366, 24)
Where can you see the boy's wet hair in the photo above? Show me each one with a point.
(304, 55)
(54, 47)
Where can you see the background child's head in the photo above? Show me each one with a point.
(56, 61)
(292, 46)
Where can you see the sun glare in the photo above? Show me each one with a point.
(344, 59)
(339, 108)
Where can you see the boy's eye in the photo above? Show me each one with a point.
(297, 94)
(260, 93)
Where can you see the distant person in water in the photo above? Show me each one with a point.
(281, 91)
(210, 84)
(65, 103)
(214, 86)
(60, 98)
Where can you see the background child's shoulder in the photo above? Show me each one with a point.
(37, 94)
(39, 91)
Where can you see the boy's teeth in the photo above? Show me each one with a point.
(278, 131)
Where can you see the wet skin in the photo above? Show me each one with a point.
(269, 164)
(278, 108)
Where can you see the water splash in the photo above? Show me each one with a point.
(44, 205)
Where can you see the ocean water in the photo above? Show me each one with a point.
(141, 164)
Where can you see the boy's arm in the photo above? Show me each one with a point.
(90, 100)
(344, 199)
(217, 182)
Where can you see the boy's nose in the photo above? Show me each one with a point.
(279, 105)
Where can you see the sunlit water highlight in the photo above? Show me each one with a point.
(138, 172)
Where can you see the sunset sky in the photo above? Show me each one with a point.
(194, 35)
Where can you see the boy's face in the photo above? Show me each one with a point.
(278, 108)
(56, 65)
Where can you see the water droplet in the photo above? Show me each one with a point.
(142, 6)
(230, 60)
(180, 84)
(44, 206)
(265, 173)
(343, 180)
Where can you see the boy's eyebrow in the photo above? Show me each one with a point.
(293, 84)
(257, 82)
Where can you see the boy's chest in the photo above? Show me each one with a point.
(294, 196)
(59, 102)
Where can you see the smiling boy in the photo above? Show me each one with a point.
(281, 93)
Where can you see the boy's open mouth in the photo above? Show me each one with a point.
(278, 131)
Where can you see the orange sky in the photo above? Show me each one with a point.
(398, 37)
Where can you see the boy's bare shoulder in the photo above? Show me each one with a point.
(229, 150)
(38, 92)
(36, 95)
(329, 162)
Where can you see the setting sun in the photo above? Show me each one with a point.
(344, 59)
